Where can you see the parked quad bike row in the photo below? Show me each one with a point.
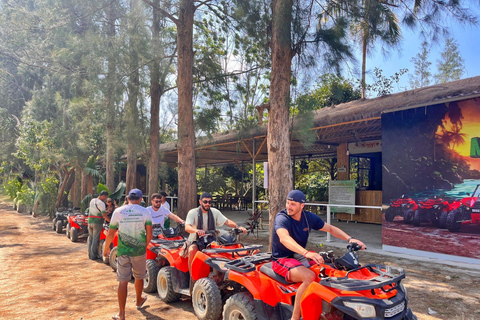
(442, 213)
(237, 282)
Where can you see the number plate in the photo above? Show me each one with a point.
(476, 210)
(394, 310)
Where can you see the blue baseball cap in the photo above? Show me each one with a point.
(297, 196)
(136, 193)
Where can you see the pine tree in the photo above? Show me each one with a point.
(451, 66)
(422, 74)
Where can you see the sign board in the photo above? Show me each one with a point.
(365, 147)
(341, 192)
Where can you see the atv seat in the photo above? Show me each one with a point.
(267, 270)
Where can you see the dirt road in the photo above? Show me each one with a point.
(46, 276)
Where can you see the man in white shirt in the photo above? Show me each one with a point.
(96, 215)
(159, 213)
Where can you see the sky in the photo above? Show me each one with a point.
(467, 37)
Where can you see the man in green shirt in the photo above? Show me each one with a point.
(134, 225)
(96, 214)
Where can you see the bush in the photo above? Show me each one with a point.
(12, 187)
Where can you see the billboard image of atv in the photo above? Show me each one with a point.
(465, 211)
(432, 210)
(404, 207)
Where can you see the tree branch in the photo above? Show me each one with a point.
(165, 13)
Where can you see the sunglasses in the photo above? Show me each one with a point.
(157, 201)
(207, 201)
(109, 202)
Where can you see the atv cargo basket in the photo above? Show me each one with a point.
(387, 275)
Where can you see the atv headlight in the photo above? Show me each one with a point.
(363, 310)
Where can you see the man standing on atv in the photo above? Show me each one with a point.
(134, 225)
(96, 214)
(201, 219)
(159, 213)
(290, 235)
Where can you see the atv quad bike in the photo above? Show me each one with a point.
(465, 211)
(77, 225)
(175, 280)
(61, 219)
(431, 210)
(342, 290)
(398, 207)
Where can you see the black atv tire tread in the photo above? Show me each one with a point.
(150, 282)
(67, 231)
(452, 224)
(390, 214)
(112, 259)
(408, 216)
(213, 298)
(169, 295)
(74, 234)
(442, 221)
(242, 302)
(54, 225)
(59, 226)
(417, 218)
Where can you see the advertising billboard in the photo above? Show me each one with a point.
(431, 178)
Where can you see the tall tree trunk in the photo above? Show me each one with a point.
(155, 94)
(109, 101)
(187, 185)
(84, 190)
(65, 177)
(77, 196)
(278, 142)
(133, 86)
(364, 64)
(68, 187)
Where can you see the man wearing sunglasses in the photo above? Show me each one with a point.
(202, 219)
(159, 213)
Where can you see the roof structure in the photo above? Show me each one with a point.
(354, 121)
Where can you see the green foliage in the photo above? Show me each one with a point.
(12, 187)
(451, 65)
(101, 187)
(26, 196)
(119, 191)
(47, 194)
(383, 85)
(422, 74)
(312, 177)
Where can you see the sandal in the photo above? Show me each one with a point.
(140, 306)
(117, 317)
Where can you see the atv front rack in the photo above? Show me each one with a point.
(387, 275)
(247, 264)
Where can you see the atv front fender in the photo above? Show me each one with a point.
(311, 303)
(200, 269)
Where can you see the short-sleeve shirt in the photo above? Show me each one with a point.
(130, 221)
(158, 217)
(298, 230)
(166, 205)
(95, 210)
(192, 219)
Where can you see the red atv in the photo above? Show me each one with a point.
(343, 290)
(165, 236)
(174, 279)
(465, 211)
(399, 207)
(431, 210)
(77, 225)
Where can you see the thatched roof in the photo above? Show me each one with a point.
(354, 121)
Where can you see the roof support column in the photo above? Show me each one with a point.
(343, 162)
(254, 177)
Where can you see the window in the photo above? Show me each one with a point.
(360, 168)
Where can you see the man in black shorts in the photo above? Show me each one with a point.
(290, 235)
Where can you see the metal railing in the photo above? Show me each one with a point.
(328, 205)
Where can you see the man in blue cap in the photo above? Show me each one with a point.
(134, 225)
(290, 235)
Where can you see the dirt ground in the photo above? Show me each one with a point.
(46, 276)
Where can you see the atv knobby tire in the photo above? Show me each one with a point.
(390, 214)
(240, 306)
(150, 281)
(59, 226)
(112, 259)
(67, 231)
(452, 223)
(417, 218)
(54, 224)
(206, 299)
(442, 221)
(408, 216)
(165, 286)
(74, 234)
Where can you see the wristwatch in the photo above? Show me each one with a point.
(349, 238)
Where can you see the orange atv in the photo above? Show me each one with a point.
(343, 290)
(175, 280)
